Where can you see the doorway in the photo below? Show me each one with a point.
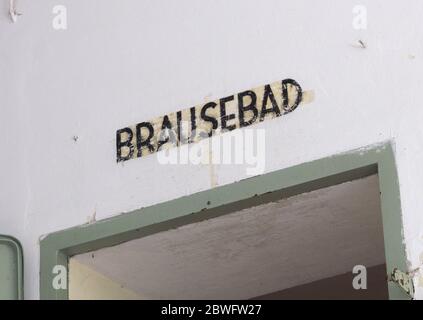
(295, 233)
(305, 247)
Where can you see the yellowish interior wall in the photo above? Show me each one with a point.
(87, 284)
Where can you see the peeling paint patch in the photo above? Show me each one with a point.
(404, 280)
(92, 218)
(377, 147)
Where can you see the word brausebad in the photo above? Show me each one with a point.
(206, 120)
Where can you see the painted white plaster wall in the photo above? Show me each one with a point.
(121, 62)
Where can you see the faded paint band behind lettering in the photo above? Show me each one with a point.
(205, 120)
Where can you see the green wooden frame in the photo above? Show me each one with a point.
(18, 268)
(56, 248)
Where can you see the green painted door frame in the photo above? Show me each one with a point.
(11, 269)
(56, 248)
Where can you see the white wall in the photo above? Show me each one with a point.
(122, 62)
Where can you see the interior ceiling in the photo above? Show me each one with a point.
(255, 251)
